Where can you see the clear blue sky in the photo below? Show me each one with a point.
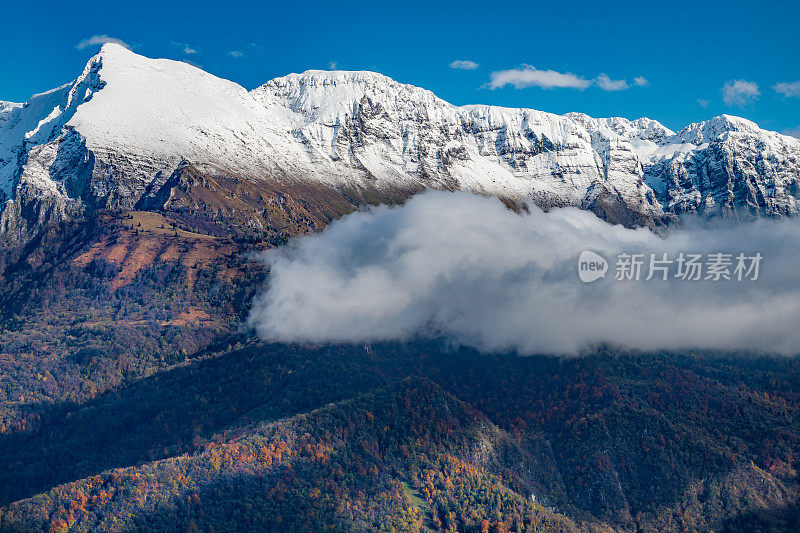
(687, 51)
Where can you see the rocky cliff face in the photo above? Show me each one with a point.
(728, 166)
(113, 137)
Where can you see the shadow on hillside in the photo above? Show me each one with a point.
(628, 433)
(340, 468)
(785, 518)
(171, 412)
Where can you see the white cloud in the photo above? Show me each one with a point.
(793, 132)
(703, 102)
(528, 76)
(332, 65)
(740, 92)
(788, 89)
(640, 81)
(236, 53)
(466, 268)
(96, 40)
(464, 65)
(607, 84)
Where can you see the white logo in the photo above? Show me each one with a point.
(591, 266)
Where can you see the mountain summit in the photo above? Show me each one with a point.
(116, 136)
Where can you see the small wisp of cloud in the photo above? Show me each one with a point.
(250, 49)
(607, 84)
(99, 40)
(185, 48)
(739, 93)
(702, 102)
(640, 81)
(788, 89)
(464, 65)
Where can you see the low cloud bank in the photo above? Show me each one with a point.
(467, 268)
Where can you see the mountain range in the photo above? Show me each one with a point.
(123, 134)
(133, 396)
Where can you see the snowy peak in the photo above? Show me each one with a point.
(715, 128)
(157, 107)
(328, 96)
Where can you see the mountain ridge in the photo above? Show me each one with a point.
(112, 138)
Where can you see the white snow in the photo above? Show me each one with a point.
(170, 110)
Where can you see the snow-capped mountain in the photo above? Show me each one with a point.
(116, 135)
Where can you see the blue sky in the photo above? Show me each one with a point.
(694, 60)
